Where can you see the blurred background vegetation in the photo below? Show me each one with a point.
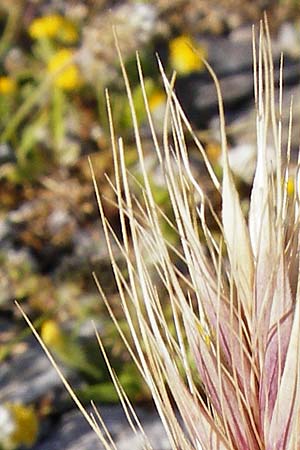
(56, 59)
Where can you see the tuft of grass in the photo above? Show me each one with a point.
(234, 300)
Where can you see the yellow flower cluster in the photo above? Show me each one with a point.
(53, 26)
(7, 85)
(66, 73)
(185, 55)
(25, 424)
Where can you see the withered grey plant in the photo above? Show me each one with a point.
(231, 367)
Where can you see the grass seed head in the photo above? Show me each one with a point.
(235, 312)
(234, 300)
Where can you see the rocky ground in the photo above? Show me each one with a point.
(52, 240)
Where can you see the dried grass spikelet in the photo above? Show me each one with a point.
(235, 312)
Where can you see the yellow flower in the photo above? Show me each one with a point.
(47, 26)
(66, 73)
(67, 348)
(26, 424)
(213, 151)
(157, 105)
(157, 99)
(183, 58)
(51, 334)
(7, 85)
(53, 26)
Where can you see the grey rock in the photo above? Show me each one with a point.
(197, 94)
(74, 433)
(71, 433)
(288, 39)
(228, 55)
(7, 155)
(6, 326)
(5, 230)
(89, 254)
(231, 60)
(26, 377)
(243, 127)
(12, 261)
(58, 219)
(154, 431)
